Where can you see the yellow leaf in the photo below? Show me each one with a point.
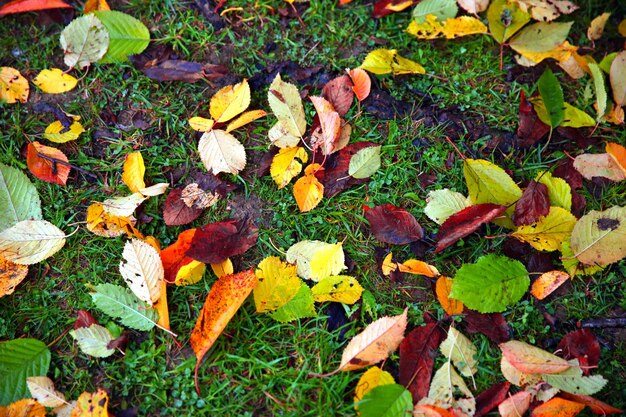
(225, 268)
(562, 53)
(559, 191)
(340, 289)
(13, 87)
(11, 274)
(23, 408)
(547, 283)
(375, 343)
(428, 29)
(573, 117)
(162, 308)
(200, 124)
(371, 379)
(244, 119)
(101, 223)
(54, 81)
(443, 288)
(596, 27)
(53, 131)
(123, 206)
(143, 270)
(221, 152)
(460, 350)
(286, 104)
(190, 273)
(462, 26)
(621, 28)
(285, 166)
(230, 101)
(308, 192)
(384, 61)
(30, 241)
(549, 232)
(413, 266)
(92, 405)
(154, 190)
(277, 284)
(93, 5)
(134, 170)
(388, 266)
(316, 260)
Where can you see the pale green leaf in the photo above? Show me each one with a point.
(443, 9)
(540, 37)
(20, 359)
(573, 381)
(286, 104)
(84, 41)
(127, 35)
(600, 89)
(559, 191)
(599, 237)
(460, 350)
(505, 19)
(572, 265)
(389, 400)
(572, 116)
(300, 306)
(605, 64)
(30, 241)
(365, 162)
(121, 303)
(93, 340)
(441, 204)
(19, 199)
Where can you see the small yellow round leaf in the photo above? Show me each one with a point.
(13, 87)
(54, 81)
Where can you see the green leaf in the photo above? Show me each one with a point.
(552, 95)
(390, 400)
(442, 204)
(19, 199)
(340, 289)
(572, 266)
(20, 359)
(121, 303)
(127, 35)
(605, 64)
(540, 37)
(600, 89)
(599, 237)
(505, 19)
(300, 306)
(573, 117)
(443, 9)
(573, 381)
(365, 162)
(559, 191)
(84, 41)
(93, 340)
(491, 284)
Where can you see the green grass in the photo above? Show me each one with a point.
(259, 367)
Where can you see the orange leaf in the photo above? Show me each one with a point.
(42, 163)
(443, 287)
(362, 83)
(174, 258)
(558, 407)
(162, 308)
(104, 224)
(21, 6)
(618, 153)
(547, 283)
(433, 411)
(93, 5)
(11, 275)
(413, 266)
(92, 405)
(23, 408)
(597, 406)
(226, 296)
(388, 265)
(308, 191)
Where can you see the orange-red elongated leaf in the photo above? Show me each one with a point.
(22, 6)
(547, 283)
(174, 258)
(466, 222)
(618, 153)
(42, 163)
(226, 296)
(362, 83)
(532, 360)
(597, 406)
(558, 407)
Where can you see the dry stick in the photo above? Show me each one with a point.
(604, 322)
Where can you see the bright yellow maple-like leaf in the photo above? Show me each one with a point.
(54, 131)
(92, 405)
(371, 379)
(55, 81)
(13, 87)
(286, 164)
(340, 289)
(549, 232)
(134, 170)
(230, 101)
(385, 61)
(308, 191)
(317, 260)
(277, 284)
(201, 124)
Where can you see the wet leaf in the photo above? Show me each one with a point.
(30, 241)
(54, 81)
(13, 87)
(216, 242)
(599, 237)
(394, 225)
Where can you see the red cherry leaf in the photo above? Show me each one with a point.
(466, 222)
(582, 345)
(47, 163)
(491, 398)
(174, 256)
(176, 212)
(417, 358)
(533, 204)
(216, 242)
(492, 325)
(84, 319)
(394, 225)
(339, 93)
(334, 176)
(570, 174)
(530, 129)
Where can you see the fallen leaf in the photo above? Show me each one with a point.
(92, 405)
(385, 61)
(201, 124)
(450, 28)
(176, 212)
(559, 191)
(394, 225)
(55, 132)
(317, 260)
(516, 405)
(365, 162)
(119, 302)
(375, 343)
(385, 7)
(93, 340)
(277, 284)
(123, 206)
(300, 306)
(245, 118)
(581, 345)
(443, 287)
(230, 101)
(490, 398)
(93, 5)
(22, 6)
(104, 224)
(195, 197)
(340, 289)
(84, 319)
(540, 37)
(307, 190)
(599, 89)
(177, 69)
(547, 10)
(386, 400)
(221, 152)
(286, 105)
(596, 27)
(599, 237)
(616, 77)
(362, 83)
(441, 204)
(413, 266)
(339, 93)
(133, 172)
(215, 242)
(334, 177)
(492, 325)
(11, 274)
(474, 6)
(460, 350)
(143, 270)
(42, 389)
(287, 164)
(223, 268)
(13, 87)
(599, 165)
(47, 163)
(533, 204)
(448, 389)
(597, 406)
(54, 81)
(27, 407)
(226, 296)
(573, 381)
(30, 241)
(531, 129)
(618, 153)
(324, 137)
(19, 199)
(371, 379)
(557, 407)
(547, 283)
(127, 35)
(532, 360)
(505, 19)
(84, 41)
(549, 232)
(441, 9)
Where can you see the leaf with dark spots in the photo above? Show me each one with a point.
(393, 225)
(216, 242)
(417, 358)
(339, 93)
(608, 224)
(213, 183)
(582, 345)
(84, 319)
(491, 398)
(492, 325)
(466, 222)
(530, 129)
(533, 204)
(334, 176)
(176, 212)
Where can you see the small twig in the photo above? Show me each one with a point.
(55, 161)
(456, 149)
(604, 322)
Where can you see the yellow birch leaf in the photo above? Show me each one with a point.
(596, 27)
(340, 289)
(27, 407)
(462, 26)
(443, 288)
(308, 192)
(277, 284)
(375, 343)
(401, 65)
(285, 166)
(53, 131)
(428, 29)
(200, 124)
(388, 265)
(371, 379)
(93, 5)
(123, 206)
(13, 87)
(143, 270)
(11, 274)
(384, 61)
(54, 81)
(286, 104)
(547, 283)
(317, 260)
(30, 241)
(224, 268)
(230, 101)
(134, 170)
(413, 266)
(101, 223)
(191, 273)
(92, 405)
(245, 118)
(549, 232)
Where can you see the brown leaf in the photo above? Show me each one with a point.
(216, 242)
(179, 70)
(567, 171)
(176, 212)
(582, 345)
(339, 93)
(533, 204)
(394, 225)
(492, 325)
(466, 222)
(84, 319)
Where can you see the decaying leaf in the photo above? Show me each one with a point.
(92, 404)
(196, 198)
(215, 242)
(547, 283)
(340, 289)
(84, 41)
(516, 405)
(339, 93)
(101, 223)
(547, 10)
(55, 132)
(30, 241)
(599, 237)
(394, 225)
(460, 350)
(123, 206)
(450, 28)
(42, 389)
(13, 86)
(549, 232)
(532, 360)
(11, 274)
(599, 165)
(27, 407)
(286, 105)
(143, 270)
(448, 389)
(176, 212)
(557, 407)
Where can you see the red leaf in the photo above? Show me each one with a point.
(385, 7)
(84, 319)
(339, 93)
(334, 177)
(176, 212)
(216, 242)
(466, 222)
(582, 345)
(492, 325)
(21, 6)
(362, 83)
(533, 204)
(417, 358)
(491, 398)
(394, 225)
(530, 129)
(42, 163)
(597, 406)
(174, 256)
(570, 174)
